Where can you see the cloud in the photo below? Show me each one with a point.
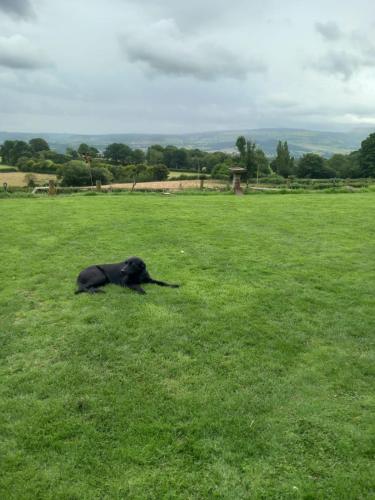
(339, 63)
(330, 31)
(17, 8)
(164, 49)
(17, 52)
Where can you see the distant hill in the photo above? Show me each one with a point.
(300, 141)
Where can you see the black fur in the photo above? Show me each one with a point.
(130, 274)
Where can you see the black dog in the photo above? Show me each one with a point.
(130, 274)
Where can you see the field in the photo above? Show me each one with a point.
(176, 173)
(17, 179)
(255, 379)
(168, 185)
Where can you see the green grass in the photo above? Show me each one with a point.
(255, 379)
(189, 173)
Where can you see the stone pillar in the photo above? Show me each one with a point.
(237, 171)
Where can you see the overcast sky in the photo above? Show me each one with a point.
(107, 66)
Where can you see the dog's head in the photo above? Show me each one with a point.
(133, 266)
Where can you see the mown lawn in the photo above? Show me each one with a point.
(255, 379)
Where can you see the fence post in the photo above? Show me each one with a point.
(51, 187)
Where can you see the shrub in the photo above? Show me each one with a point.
(159, 172)
(77, 173)
(221, 171)
(30, 180)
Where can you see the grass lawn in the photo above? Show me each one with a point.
(176, 173)
(255, 379)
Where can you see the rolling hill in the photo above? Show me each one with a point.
(300, 141)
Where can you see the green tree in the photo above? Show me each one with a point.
(6, 151)
(263, 165)
(241, 146)
(312, 166)
(138, 156)
(248, 157)
(175, 158)
(354, 170)
(283, 164)
(83, 149)
(346, 166)
(155, 154)
(56, 157)
(11, 151)
(77, 173)
(38, 144)
(367, 157)
(118, 153)
(72, 153)
(159, 172)
(221, 171)
(210, 160)
(251, 160)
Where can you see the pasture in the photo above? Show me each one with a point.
(255, 379)
(17, 179)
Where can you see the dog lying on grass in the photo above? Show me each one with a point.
(130, 274)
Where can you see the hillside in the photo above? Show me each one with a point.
(300, 141)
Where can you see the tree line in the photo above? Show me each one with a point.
(120, 163)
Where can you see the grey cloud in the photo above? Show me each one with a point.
(16, 52)
(330, 31)
(163, 48)
(345, 64)
(17, 8)
(339, 63)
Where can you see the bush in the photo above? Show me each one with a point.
(139, 173)
(221, 171)
(159, 172)
(77, 173)
(30, 180)
(40, 166)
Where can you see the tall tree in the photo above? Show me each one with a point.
(155, 154)
(11, 151)
(248, 156)
(118, 153)
(85, 149)
(312, 166)
(283, 164)
(138, 156)
(251, 164)
(367, 157)
(38, 144)
(241, 146)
